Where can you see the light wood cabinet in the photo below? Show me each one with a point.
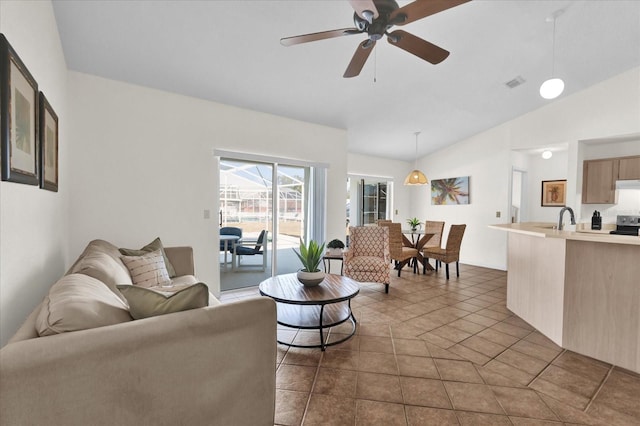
(629, 168)
(599, 181)
(599, 178)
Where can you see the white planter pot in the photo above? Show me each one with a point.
(335, 251)
(310, 279)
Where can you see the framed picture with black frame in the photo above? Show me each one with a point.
(48, 145)
(554, 193)
(19, 145)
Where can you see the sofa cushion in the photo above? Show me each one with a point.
(152, 246)
(79, 302)
(103, 267)
(146, 302)
(147, 270)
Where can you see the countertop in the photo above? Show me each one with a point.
(545, 230)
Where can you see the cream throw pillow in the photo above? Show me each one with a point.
(145, 302)
(152, 246)
(79, 302)
(147, 270)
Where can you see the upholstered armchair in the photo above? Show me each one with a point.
(367, 259)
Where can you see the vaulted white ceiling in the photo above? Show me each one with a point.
(229, 52)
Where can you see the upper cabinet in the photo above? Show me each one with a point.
(629, 168)
(599, 178)
(599, 181)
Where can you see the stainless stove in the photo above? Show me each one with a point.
(627, 225)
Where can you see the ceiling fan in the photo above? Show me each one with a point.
(375, 18)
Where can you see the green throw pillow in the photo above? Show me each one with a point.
(144, 302)
(152, 246)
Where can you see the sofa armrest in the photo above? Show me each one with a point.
(212, 366)
(182, 260)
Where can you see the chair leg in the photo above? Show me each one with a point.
(386, 288)
(415, 265)
(436, 262)
(447, 268)
(457, 269)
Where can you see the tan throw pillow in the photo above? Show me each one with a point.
(152, 246)
(144, 302)
(79, 302)
(147, 270)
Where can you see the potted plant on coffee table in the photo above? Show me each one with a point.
(310, 256)
(335, 247)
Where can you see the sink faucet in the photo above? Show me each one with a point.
(573, 218)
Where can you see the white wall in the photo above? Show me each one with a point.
(142, 165)
(555, 168)
(610, 108)
(33, 222)
(486, 159)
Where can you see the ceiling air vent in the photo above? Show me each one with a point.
(512, 84)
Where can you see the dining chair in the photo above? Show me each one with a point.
(451, 253)
(249, 247)
(401, 254)
(435, 228)
(367, 259)
(229, 230)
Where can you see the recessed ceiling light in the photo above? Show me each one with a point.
(547, 154)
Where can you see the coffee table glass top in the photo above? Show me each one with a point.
(287, 289)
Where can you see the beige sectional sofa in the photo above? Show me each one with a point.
(207, 366)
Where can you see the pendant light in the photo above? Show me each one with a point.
(416, 177)
(553, 87)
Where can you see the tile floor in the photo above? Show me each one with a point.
(433, 352)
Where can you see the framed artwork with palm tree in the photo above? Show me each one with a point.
(450, 191)
(18, 118)
(554, 193)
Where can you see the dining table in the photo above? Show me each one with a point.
(226, 239)
(418, 241)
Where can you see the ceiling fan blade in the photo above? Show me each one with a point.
(359, 58)
(360, 6)
(417, 46)
(306, 38)
(420, 9)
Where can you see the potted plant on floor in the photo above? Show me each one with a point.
(414, 223)
(310, 256)
(335, 247)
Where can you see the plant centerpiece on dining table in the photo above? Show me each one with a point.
(310, 256)
(335, 247)
(414, 223)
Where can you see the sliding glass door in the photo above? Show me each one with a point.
(257, 196)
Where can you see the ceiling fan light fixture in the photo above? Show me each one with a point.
(416, 177)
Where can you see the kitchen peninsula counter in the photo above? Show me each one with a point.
(580, 289)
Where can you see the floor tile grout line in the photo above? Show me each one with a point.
(313, 384)
(604, 380)
(545, 368)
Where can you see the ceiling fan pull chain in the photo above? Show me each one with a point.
(375, 66)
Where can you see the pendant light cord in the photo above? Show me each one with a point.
(553, 54)
(415, 164)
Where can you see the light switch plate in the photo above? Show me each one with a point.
(497, 214)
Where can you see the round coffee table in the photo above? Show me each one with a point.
(314, 308)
